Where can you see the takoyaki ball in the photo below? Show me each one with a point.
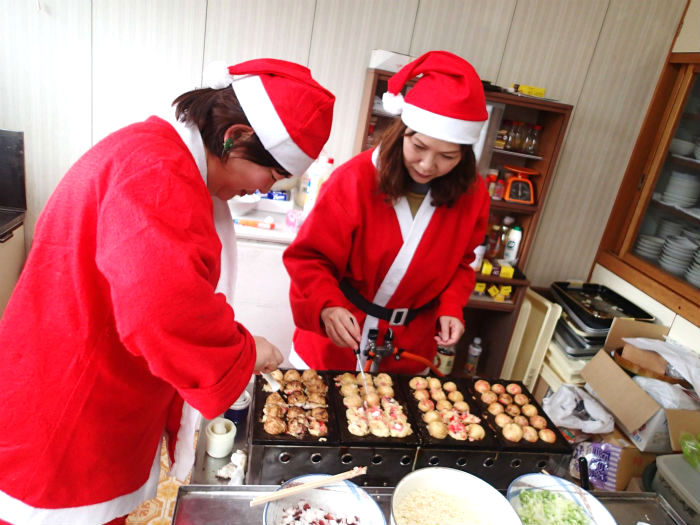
(372, 400)
(349, 389)
(432, 415)
(274, 399)
(443, 404)
(292, 386)
(317, 386)
(498, 388)
(274, 426)
(457, 431)
(538, 422)
(521, 399)
(420, 395)
(358, 427)
(521, 420)
(513, 432)
(418, 383)
(437, 394)
(385, 391)
(317, 427)
(434, 382)
(489, 397)
(379, 428)
(383, 379)
(277, 375)
(424, 405)
(308, 375)
(530, 434)
(503, 419)
(345, 378)
(461, 406)
(475, 432)
(399, 429)
(455, 396)
(513, 388)
(319, 413)
(297, 399)
(437, 429)
(513, 410)
(292, 375)
(529, 410)
(274, 411)
(482, 386)
(297, 427)
(547, 435)
(352, 401)
(314, 399)
(295, 412)
(495, 408)
(449, 386)
(369, 390)
(360, 379)
(505, 399)
(470, 418)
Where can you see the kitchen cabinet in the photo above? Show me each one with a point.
(11, 262)
(492, 320)
(652, 238)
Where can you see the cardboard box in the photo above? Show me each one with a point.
(388, 60)
(643, 420)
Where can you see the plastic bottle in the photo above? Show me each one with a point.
(494, 240)
(473, 357)
(503, 232)
(510, 252)
(500, 188)
(318, 173)
(479, 253)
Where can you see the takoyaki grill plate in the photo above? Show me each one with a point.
(489, 442)
(347, 438)
(560, 444)
(260, 437)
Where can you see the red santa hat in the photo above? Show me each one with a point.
(289, 111)
(447, 102)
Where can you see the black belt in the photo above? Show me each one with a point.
(395, 317)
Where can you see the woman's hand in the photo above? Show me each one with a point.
(341, 327)
(268, 357)
(451, 329)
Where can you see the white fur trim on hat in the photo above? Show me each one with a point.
(216, 75)
(267, 124)
(393, 103)
(441, 127)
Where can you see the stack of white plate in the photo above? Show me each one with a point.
(692, 274)
(693, 234)
(677, 254)
(648, 246)
(682, 190)
(669, 227)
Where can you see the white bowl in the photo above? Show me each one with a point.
(242, 205)
(560, 488)
(474, 497)
(681, 147)
(343, 498)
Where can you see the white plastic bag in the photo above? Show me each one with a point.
(666, 394)
(573, 407)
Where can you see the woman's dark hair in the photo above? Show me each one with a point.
(395, 181)
(213, 111)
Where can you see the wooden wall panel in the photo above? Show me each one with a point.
(240, 30)
(343, 37)
(629, 55)
(144, 55)
(45, 89)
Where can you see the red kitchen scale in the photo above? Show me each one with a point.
(519, 187)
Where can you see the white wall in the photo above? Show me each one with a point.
(74, 70)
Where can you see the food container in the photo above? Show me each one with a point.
(435, 489)
(238, 412)
(678, 482)
(220, 433)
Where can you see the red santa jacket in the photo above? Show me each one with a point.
(114, 320)
(353, 234)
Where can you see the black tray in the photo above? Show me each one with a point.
(335, 400)
(597, 304)
(573, 344)
(559, 446)
(488, 443)
(260, 437)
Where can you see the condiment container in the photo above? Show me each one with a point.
(238, 412)
(220, 433)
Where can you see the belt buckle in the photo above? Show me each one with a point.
(398, 316)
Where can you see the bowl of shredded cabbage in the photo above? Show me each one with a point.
(541, 499)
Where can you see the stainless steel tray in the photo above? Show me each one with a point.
(211, 505)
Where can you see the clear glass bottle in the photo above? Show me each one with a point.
(532, 144)
(503, 232)
(473, 355)
(445, 359)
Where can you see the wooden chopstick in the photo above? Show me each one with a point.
(290, 491)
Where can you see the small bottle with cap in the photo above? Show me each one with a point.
(473, 357)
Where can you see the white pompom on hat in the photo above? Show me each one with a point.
(447, 102)
(289, 111)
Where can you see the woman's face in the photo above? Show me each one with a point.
(238, 176)
(427, 158)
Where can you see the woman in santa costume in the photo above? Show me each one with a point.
(121, 323)
(389, 241)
